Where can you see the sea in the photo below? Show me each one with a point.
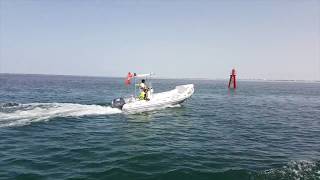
(63, 127)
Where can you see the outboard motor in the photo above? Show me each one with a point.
(118, 103)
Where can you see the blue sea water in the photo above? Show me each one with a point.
(62, 127)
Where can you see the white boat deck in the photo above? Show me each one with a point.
(160, 100)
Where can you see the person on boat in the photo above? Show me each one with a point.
(143, 91)
(146, 97)
(142, 95)
(142, 85)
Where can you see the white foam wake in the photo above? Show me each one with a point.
(295, 170)
(28, 113)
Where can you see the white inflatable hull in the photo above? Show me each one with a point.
(160, 100)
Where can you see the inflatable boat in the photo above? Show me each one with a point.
(155, 101)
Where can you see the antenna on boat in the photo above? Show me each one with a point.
(135, 86)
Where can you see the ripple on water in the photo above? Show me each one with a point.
(261, 131)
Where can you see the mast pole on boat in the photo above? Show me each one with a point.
(134, 79)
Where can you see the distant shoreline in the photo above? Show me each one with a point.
(201, 79)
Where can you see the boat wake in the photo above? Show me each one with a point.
(13, 114)
(293, 170)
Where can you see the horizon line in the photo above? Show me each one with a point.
(161, 77)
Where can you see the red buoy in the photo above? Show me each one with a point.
(232, 81)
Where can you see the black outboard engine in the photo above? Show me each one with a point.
(118, 103)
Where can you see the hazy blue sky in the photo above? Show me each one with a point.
(201, 38)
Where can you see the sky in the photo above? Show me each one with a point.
(276, 40)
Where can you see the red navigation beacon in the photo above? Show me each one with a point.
(232, 81)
